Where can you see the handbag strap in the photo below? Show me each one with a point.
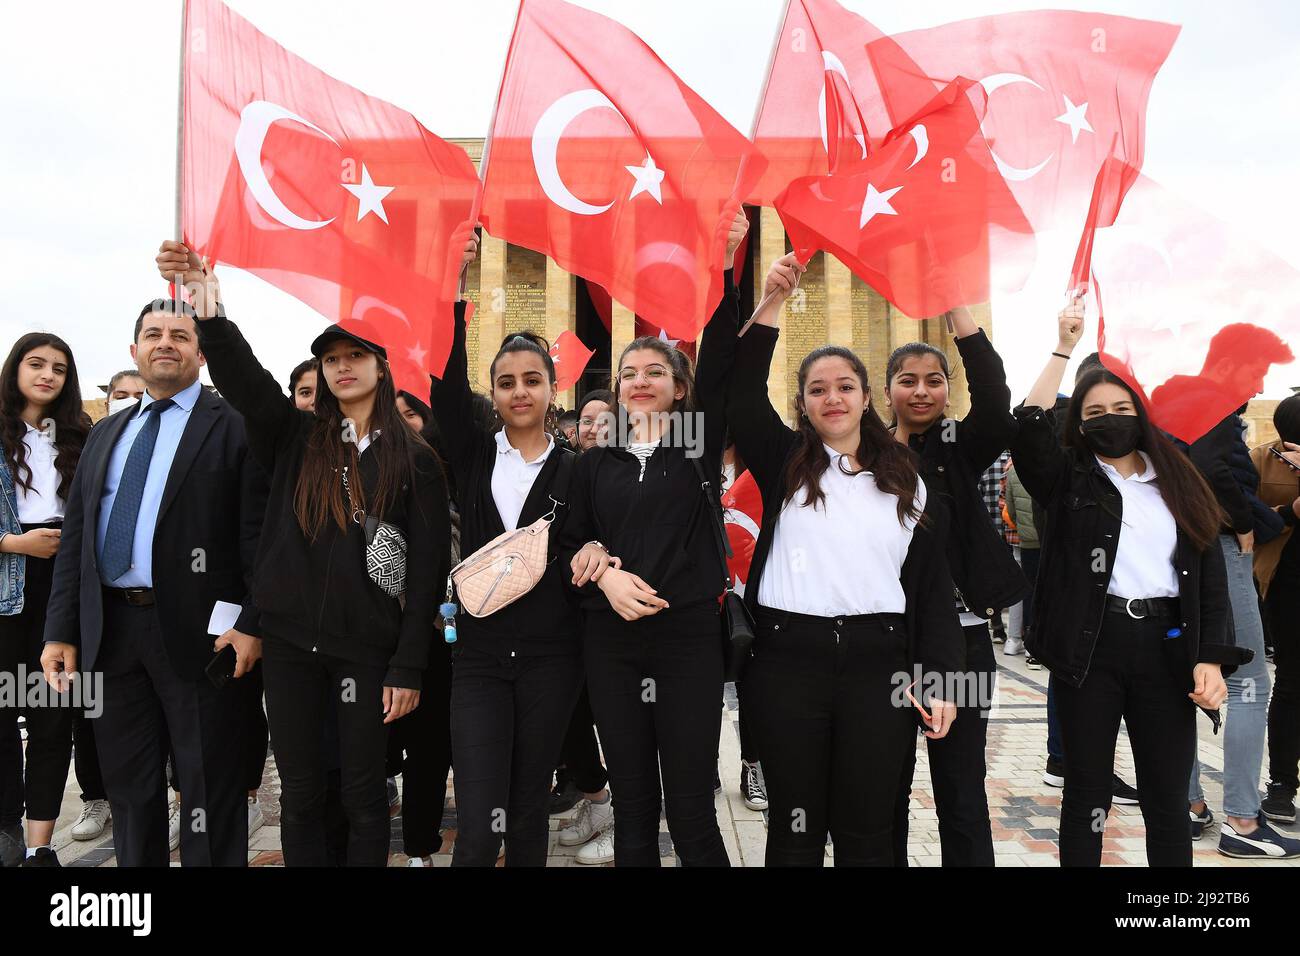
(713, 503)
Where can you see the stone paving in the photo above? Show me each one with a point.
(1024, 810)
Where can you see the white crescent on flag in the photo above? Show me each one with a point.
(255, 121)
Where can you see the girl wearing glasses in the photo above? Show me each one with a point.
(851, 594)
(653, 654)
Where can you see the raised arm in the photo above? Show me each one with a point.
(717, 355)
(450, 397)
(269, 415)
(989, 427)
(1069, 329)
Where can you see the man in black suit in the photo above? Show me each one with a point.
(161, 527)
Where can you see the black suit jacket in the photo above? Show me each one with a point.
(204, 545)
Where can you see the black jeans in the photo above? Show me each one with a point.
(580, 755)
(145, 705)
(957, 766)
(249, 689)
(297, 682)
(822, 694)
(1282, 607)
(508, 717)
(85, 758)
(656, 689)
(49, 725)
(1132, 677)
(423, 739)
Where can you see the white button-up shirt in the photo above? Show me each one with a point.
(42, 504)
(1144, 560)
(513, 478)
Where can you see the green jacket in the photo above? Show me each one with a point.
(1020, 508)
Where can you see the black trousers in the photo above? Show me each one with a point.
(423, 739)
(656, 686)
(822, 694)
(1282, 607)
(11, 776)
(748, 748)
(580, 755)
(49, 722)
(248, 691)
(508, 717)
(958, 767)
(1133, 678)
(297, 706)
(145, 705)
(85, 759)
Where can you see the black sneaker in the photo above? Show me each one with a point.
(1122, 793)
(1200, 822)
(1033, 663)
(1054, 775)
(564, 797)
(44, 856)
(751, 786)
(12, 847)
(1279, 803)
(394, 798)
(717, 783)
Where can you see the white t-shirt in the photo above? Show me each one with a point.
(841, 557)
(512, 478)
(1148, 538)
(42, 503)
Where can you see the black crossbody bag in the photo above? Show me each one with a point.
(737, 624)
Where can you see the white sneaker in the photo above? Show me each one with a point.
(420, 861)
(592, 818)
(1013, 646)
(174, 825)
(599, 850)
(255, 816)
(94, 818)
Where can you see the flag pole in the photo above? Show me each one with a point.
(180, 117)
(767, 77)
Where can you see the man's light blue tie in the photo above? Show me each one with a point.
(119, 539)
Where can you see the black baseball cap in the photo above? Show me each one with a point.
(351, 333)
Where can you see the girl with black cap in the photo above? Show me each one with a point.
(346, 609)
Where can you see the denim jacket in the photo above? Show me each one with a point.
(12, 566)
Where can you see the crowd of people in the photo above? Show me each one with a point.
(233, 569)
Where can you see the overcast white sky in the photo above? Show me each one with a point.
(88, 101)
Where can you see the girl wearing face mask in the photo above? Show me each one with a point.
(851, 593)
(329, 627)
(653, 655)
(515, 673)
(125, 388)
(42, 431)
(952, 455)
(1131, 603)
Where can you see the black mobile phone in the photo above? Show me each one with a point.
(221, 668)
(1282, 458)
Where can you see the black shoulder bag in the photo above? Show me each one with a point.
(737, 624)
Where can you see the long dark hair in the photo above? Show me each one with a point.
(907, 351)
(319, 495)
(677, 361)
(878, 451)
(1187, 496)
(1286, 419)
(71, 423)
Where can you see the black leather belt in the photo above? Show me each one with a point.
(1157, 609)
(136, 597)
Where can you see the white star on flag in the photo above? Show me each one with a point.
(648, 177)
(663, 337)
(877, 203)
(417, 354)
(1076, 118)
(370, 198)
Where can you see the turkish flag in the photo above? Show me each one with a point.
(570, 357)
(1065, 91)
(342, 200)
(1191, 311)
(603, 159)
(642, 328)
(742, 512)
(913, 221)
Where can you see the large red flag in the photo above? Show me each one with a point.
(570, 357)
(1063, 86)
(743, 515)
(342, 200)
(1196, 315)
(817, 38)
(603, 159)
(913, 220)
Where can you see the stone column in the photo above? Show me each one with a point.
(839, 303)
(487, 328)
(559, 313)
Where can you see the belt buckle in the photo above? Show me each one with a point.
(1128, 609)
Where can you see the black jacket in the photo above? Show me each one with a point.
(766, 443)
(1084, 519)
(545, 620)
(659, 526)
(954, 454)
(1223, 458)
(204, 545)
(317, 594)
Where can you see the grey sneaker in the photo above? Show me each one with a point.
(93, 820)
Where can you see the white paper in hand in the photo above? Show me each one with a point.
(224, 616)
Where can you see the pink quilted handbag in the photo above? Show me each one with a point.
(504, 569)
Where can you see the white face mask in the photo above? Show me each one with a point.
(117, 404)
